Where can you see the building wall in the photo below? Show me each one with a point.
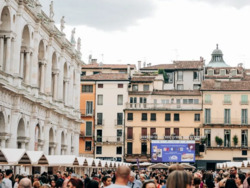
(188, 79)
(36, 74)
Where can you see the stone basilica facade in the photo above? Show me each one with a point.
(39, 81)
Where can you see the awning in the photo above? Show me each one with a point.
(62, 160)
(3, 159)
(16, 156)
(158, 166)
(187, 166)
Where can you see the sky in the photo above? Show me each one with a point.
(157, 31)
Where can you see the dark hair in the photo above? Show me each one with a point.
(148, 182)
(197, 181)
(93, 184)
(232, 176)
(234, 167)
(241, 177)
(248, 181)
(179, 179)
(8, 172)
(230, 183)
(76, 183)
(104, 178)
(86, 181)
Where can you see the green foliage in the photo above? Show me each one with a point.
(160, 71)
(218, 140)
(165, 76)
(235, 140)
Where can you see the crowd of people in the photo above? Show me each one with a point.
(175, 177)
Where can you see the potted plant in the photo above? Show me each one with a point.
(235, 140)
(218, 140)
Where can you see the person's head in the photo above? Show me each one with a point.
(106, 180)
(248, 181)
(75, 183)
(225, 175)
(230, 183)
(142, 177)
(180, 179)
(36, 184)
(8, 173)
(149, 184)
(59, 174)
(174, 167)
(156, 179)
(217, 179)
(93, 184)
(122, 174)
(197, 182)
(85, 176)
(1, 175)
(65, 175)
(240, 178)
(132, 176)
(233, 170)
(25, 183)
(53, 183)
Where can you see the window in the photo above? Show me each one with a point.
(130, 148)
(207, 116)
(180, 87)
(88, 146)
(227, 99)
(145, 87)
(83, 73)
(144, 148)
(196, 75)
(89, 128)
(196, 117)
(153, 116)
(207, 133)
(99, 135)
(196, 101)
(167, 117)
(119, 150)
(210, 72)
(207, 98)
(176, 132)
(244, 99)
(120, 85)
(100, 85)
(119, 99)
(134, 87)
(99, 119)
(244, 138)
(144, 133)
(169, 77)
(99, 150)
(167, 133)
(152, 131)
(144, 116)
(176, 117)
(196, 131)
(130, 133)
(130, 117)
(222, 72)
(179, 75)
(87, 88)
(95, 72)
(133, 100)
(244, 116)
(99, 99)
(227, 140)
(89, 107)
(244, 152)
(165, 101)
(119, 118)
(119, 134)
(227, 116)
(196, 86)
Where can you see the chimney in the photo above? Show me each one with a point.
(139, 65)
(93, 61)
(201, 59)
(144, 64)
(90, 58)
(128, 70)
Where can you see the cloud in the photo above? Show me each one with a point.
(233, 3)
(101, 14)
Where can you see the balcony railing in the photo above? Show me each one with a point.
(119, 122)
(222, 121)
(99, 122)
(172, 106)
(84, 135)
(86, 112)
(116, 139)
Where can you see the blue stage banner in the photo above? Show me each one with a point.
(172, 151)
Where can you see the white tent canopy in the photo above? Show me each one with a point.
(34, 156)
(16, 156)
(61, 160)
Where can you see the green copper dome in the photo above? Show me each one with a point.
(217, 59)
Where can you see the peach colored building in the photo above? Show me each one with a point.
(87, 107)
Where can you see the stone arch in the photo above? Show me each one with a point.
(37, 137)
(25, 54)
(21, 138)
(52, 145)
(2, 122)
(5, 19)
(54, 76)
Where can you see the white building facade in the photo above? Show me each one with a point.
(39, 82)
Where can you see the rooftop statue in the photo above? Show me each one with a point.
(51, 10)
(79, 45)
(73, 40)
(62, 24)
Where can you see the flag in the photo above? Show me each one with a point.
(138, 166)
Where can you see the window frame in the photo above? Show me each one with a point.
(175, 115)
(87, 141)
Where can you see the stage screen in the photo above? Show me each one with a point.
(172, 151)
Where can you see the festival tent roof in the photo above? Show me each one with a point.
(3, 159)
(91, 162)
(16, 156)
(158, 165)
(110, 164)
(187, 166)
(37, 157)
(62, 160)
(104, 164)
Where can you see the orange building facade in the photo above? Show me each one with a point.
(87, 107)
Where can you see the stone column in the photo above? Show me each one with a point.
(21, 63)
(42, 77)
(27, 68)
(23, 145)
(8, 53)
(55, 89)
(1, 52)
(66, 91)
(3, 143)
(52, 150)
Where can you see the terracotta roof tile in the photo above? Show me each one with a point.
(140, 92)
(107, 66)
(213, 85)
(143, 79)
(177, 65)
(105, 76)
(178, 92)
